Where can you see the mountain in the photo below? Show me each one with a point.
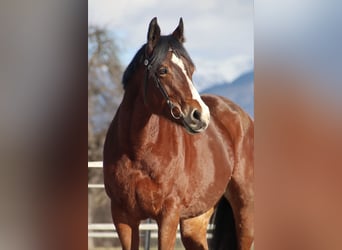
(240, 91)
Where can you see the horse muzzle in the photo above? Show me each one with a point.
(196, 121)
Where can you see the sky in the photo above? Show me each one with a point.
(219, 33)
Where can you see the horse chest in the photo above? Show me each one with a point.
(144, 185)
(139, 187)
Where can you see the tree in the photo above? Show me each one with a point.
(104, 87)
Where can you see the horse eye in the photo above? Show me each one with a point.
(162, 71)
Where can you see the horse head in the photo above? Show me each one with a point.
(168, 86)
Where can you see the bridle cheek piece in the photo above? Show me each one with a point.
(175, 111)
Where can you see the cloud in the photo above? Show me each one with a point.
(210, 73)
(215, 30)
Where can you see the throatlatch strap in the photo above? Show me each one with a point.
(148, 66)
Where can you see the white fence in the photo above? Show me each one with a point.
(95, 164)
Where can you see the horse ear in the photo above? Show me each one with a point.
(179, 31)
(153, 36)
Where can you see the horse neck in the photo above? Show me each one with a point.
(134, 110)
(144, 127)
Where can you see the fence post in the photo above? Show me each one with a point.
(147, 237)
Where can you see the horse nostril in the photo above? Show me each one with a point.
(196, 114)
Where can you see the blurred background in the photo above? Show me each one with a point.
(44, 73)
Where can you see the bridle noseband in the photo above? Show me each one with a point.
(148, 65)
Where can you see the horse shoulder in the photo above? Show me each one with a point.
(233, 117)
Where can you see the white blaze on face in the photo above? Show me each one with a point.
(195, 95)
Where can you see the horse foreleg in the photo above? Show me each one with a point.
(194, 231)
(127, 229)
(167, 228)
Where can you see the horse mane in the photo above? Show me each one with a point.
(158, 55)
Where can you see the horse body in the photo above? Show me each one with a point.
(190, 168)
(155, 168)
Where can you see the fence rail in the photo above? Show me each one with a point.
(95, 186)
(95, 164)
(107, 230)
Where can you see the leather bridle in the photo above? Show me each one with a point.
(173, 108)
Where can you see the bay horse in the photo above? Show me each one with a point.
(173, 155)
